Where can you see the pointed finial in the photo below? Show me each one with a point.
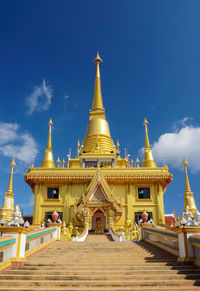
(10, 184)
(184, 163)
(187, 184)
(58, 162)
(78, 144)
(148, 160)
(132, 163)
(48, 161)
(137, 162)
(145, 122)
(50, 122)
(118, 145)
(98, 59)
(13, 164)
(63, 162)
(97, 100)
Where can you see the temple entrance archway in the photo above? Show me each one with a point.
(98, 216)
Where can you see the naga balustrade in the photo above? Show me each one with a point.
(183, 242)
(17, 243)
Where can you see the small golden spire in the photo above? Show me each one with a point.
(148, 160)
(10, 185)
(97, 100)
(8, 202)
(48, 161)
(118, 144)
(58, 162)
(132, 163)
(188, 197)
(187, 184)
(78, 144)
(63, 162)
(137, 162)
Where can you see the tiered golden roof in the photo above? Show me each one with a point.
(97, 138)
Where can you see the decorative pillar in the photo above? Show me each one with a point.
(160, 206)
(36, 211)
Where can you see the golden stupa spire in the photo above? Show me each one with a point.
(97, 100)
(148, 160)
(48, 161)
(188, 197)
(98, 126)
(8, 202)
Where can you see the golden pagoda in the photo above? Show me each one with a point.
(98, 185)
(188, 197)
(8, 202)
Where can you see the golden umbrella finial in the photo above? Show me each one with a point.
(184, 163)
(13, 164)
(50, 122)
(145, 122)
(98, 59)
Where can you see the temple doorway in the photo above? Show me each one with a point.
(98, 220)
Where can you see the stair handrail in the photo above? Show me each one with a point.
(82, 237)
(115, 236)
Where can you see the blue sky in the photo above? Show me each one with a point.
(151, 54)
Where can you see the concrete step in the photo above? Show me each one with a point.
(93, 283)
(101, 266)
(183, 288)
(98, 268)
(92, 272)
(101, 277)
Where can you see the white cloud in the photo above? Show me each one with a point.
(40, 99)
(17, 144)
(66, 96)
(175, 145)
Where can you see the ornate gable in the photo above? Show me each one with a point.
(98, 195)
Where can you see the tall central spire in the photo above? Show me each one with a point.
(98, 131)
(97, 100)
(48, 161)
(148, 160)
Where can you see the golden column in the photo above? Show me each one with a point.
(8, 202)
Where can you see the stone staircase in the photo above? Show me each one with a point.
(101, 264)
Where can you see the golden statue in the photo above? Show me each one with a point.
(99, 227)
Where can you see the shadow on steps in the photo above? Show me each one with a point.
(188, 269)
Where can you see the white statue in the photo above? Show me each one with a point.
(197, 216)
(187, 214)
(17, 219)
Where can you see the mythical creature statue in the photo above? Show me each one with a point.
(17, 219)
